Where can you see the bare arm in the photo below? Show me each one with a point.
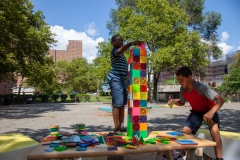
(219, 102)
(122, 49)
(176, 102)
(179, 103)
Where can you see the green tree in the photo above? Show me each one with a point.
(204, 22)
(236, 63)
(231, 81)
(61, 69)
(164, 29)
(102, 62)
(170, 81)
(43, 77)
(77, 74)
(25, 38)
(112, 25)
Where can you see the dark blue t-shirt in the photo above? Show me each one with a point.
(119, 65)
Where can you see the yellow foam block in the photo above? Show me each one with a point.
(143, 59)
(136, 80)
(143, 80)
(131, 146)
(15, 141)
(143, 111)
(136, 95)
(143, 95)
(54, 126)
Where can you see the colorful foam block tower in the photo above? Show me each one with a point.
(137, 92)
(80, 127)
(54, 130)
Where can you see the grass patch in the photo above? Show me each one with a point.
(106, 99)
(93, 98)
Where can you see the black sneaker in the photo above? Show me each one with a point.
(123, 129)
(116, 130)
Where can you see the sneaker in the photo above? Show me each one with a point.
(123, 129)
(116, 130)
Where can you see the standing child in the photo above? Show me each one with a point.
(204, 102)
(117, 80)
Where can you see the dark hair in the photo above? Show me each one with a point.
(184, 71)
(113, 37)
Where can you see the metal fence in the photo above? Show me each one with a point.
(228, 96)
(231, 96)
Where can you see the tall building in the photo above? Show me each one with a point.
(74, 50)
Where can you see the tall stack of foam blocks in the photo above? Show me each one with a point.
(137, 92)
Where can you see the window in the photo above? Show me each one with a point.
(5, 86)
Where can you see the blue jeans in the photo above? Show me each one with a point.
(118, 90)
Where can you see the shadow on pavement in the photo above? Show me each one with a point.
(29, 110)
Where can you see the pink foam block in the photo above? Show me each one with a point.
(142, 45)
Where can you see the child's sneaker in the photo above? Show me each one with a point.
(123, 129)
(115, 130)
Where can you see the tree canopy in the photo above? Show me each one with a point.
(236, 63)
(25, 38)
(77, 74)
(177, 32)
(231, 81)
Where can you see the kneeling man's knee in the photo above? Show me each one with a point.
(186, 130)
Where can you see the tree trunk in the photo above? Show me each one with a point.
(155, 85)
(20, 86)
(149, 86)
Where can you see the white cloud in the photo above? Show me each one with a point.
(225, 48)
(225, 36)
(89, 44)
(91, 29)
(238, 48)
(223, 45)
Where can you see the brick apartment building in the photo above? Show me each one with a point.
(7, 87)
(74, 50)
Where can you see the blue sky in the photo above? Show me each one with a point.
(86, 20)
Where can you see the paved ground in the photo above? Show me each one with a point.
(34, 120)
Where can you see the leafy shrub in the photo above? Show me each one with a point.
(44, 97)
(83, 97)
(73, 96)
(55, 97)
(102, 93)
(63, 97)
